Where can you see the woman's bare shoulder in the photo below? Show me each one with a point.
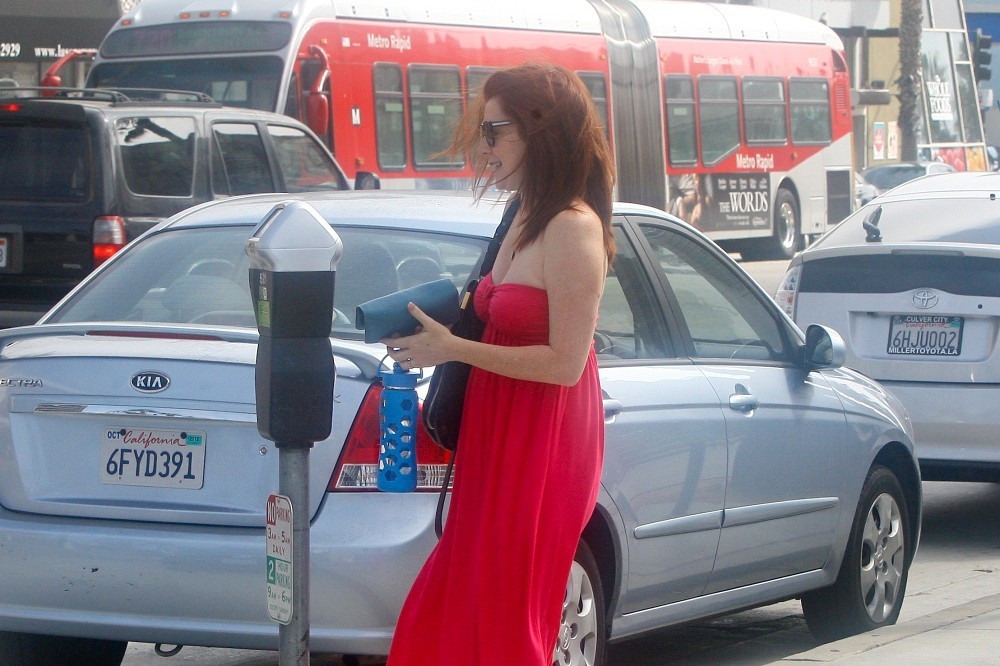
(578, 217)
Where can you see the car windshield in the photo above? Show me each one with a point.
(248, 82)
(930, 219)
(200, 276)
(886, 178)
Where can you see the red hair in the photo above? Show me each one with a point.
(566, 155)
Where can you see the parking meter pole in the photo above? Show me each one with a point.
(293, 483)
(293, 260)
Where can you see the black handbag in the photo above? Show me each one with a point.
(442, 410)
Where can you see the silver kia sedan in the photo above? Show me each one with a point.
(743, 464)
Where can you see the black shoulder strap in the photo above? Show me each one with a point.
(491, 252)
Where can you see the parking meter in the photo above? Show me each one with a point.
(293, 261)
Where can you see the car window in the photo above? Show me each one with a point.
(157, 154)
(304, 164)
(628, 322)
(47, 161)
(240, 163)
(723, 316)
(201, 276)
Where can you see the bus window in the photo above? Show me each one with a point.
(390, 135)
(719, 117)
(764, 111)
(475, 77)
(681, 131)
(598, 89)
(810, 104)
(292, 101)
(435, 108)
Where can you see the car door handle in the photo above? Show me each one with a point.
(743, 401)
(612, 408)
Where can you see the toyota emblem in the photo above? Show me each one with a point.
(924, 299)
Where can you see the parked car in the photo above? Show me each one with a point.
(912, 280)
(82, 172)
(743, 465)
(863, 191)
(877, 180)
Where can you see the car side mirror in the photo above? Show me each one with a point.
(366, 180)
(824, 348)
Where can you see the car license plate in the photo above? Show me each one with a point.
(3, 252)
(925, 335)
(147, 457)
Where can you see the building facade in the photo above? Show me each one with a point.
(36, 33)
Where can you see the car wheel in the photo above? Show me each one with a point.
(17, 649)
(582, 637)
(871, 583)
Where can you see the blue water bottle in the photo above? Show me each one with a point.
(397, 453)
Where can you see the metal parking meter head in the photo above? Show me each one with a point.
(293, 261)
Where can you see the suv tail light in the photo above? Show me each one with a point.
(109, 237)
(357, 468)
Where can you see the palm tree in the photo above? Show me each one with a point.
(910, 21)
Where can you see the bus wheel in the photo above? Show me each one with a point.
(787, 234)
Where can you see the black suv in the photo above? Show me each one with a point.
(82, 172)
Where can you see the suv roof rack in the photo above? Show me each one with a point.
(113, 95)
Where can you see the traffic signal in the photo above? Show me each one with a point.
(982, 54)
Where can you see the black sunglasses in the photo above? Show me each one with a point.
(488, 129)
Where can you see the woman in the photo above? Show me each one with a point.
(532, 435)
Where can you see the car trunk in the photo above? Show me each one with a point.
(910, 314)
(88, 412)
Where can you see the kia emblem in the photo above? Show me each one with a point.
(924, 299)
(150, 382)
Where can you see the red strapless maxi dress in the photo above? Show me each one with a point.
(526, 481)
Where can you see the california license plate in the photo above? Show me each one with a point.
(158, 458)
(925, 335)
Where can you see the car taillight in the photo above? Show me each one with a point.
(109, 237)
(357, 468)
(10, 107)
(788, 290)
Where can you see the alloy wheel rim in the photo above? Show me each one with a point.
(576, 644)
(883, 558)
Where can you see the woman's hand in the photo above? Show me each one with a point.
(430, 345)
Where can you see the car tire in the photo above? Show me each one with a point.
(582, 639)
(787, 238)
(869, 589)
(17, 649)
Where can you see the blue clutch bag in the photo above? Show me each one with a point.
(387, 315)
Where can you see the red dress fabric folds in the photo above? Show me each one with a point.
(526, 481)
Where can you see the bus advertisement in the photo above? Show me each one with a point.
(735, 118)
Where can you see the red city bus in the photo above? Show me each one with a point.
(735, 118)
